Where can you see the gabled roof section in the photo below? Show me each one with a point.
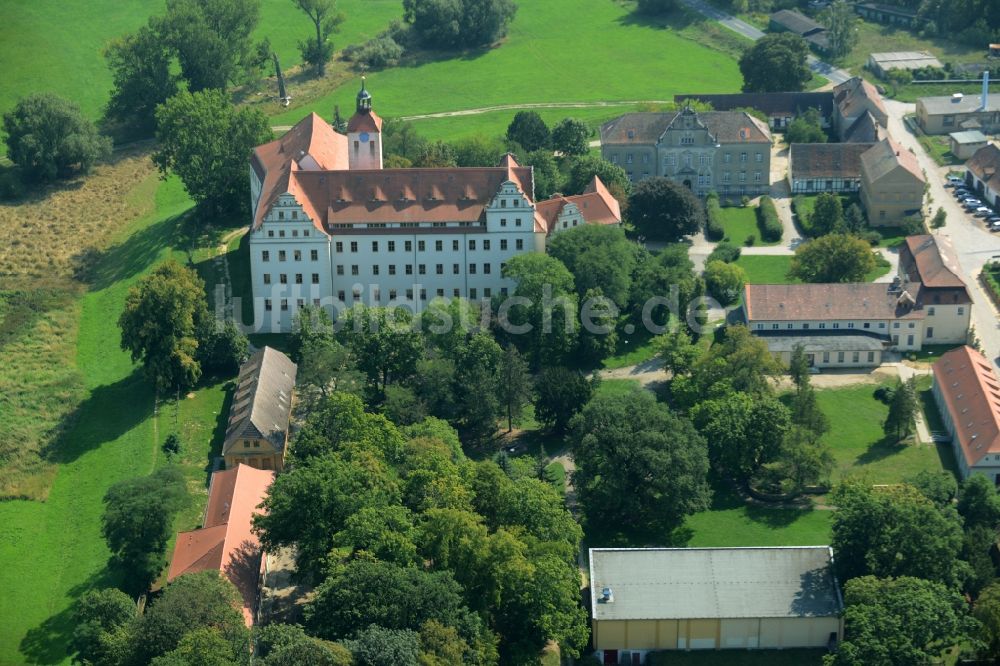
(866, 129)
(597, 206)
(985, 164)
(797, 22)
(934, 261)
(647, 128)
(635, 128)
(821, 302)
(262, 401)
(970, 391)
(226, 543)
(854, 95)
(887, 156)
(826, 160)
(311, 143)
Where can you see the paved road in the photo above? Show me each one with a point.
(834, 74)
(973, 244)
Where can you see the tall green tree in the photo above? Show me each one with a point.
(807, 128)
(477, 388)
(529, 131)
(987, 612)
(900, 421)
(900, 622)
(548, 178)
(559, 394)
(664, 210)
(317, 50)
(613, 176)
(546, 323)
(743, 433)
(207, 142)
(725, 281)
(841, 28)
(101, 626)
(213, 41)
(775, 63)
(570, 136)
(384, 342)
(164, 316)
(49, 138)
(378, 646)
(599, 257)
(140, 68)
(668, 274)
(833, 258)
(895, 531)
(452, 24)
(514, 384)
(828, 214)
(640, 468)
(289, 645)
(138, 521)
(979, 503)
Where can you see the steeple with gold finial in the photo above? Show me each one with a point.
(364, 133)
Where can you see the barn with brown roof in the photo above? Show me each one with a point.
(825, 167)
(967, 393)
(225, 542)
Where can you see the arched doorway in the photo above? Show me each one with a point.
(687, 183)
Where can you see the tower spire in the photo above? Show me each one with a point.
(364, 99)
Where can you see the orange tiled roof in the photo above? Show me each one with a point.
(365, 122)
(225, 543)
(971, 393)
(596, 205)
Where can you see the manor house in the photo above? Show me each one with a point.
(331, 227)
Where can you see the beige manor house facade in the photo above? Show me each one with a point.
(728, 152)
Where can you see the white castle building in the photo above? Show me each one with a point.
(332, 228)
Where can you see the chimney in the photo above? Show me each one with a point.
(986, 90)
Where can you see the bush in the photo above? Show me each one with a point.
(750, 240)
(378, 53)
(913, 225)
(172, 445)
(885, 394)
(725, 252)
(873, 237)
(714, 229)
(767, 217)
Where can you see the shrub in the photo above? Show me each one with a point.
(172, 445)
(873, 237)
(750, 240)
(714, 229)
(744, 201)
(725, 252)
(378, 53)
(767, 218)
(884, 394)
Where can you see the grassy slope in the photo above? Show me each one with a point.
(52, 552)
(63, 55)
(555, 52)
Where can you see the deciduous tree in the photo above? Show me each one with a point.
(49, 138)
(549, 309)
(725, 281)
(449, 24)
(900, 421)
(529, 131)
(140, 68)
(806, 128)
(384, 343)
(828, 214)
(599, 257)
(207, 142)
(559, 394)
(841, 28)
(640, 468)
(979, 503)
(833, 258)
(664, 210)
(613, 176)
(514, 385)
(317, 50)
(775, 63)
(163, 316)
(570, 135)
(101, 626)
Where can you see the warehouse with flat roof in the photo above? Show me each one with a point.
(883, 63)
(647, 599)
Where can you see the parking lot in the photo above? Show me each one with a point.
(973, 206)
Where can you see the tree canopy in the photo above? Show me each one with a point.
(807, 128)
(724, 281)
(140, 68)
(49, 138)
(570, 136)
(529, 130)
(318, 49)
(775, 63)
(599, 257)
(640, 468)
(206, 141)
(664, 210)
(833, 258)
(456, 24)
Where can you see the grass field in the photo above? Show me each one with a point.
(55, 46)
(741, 223)
(766, 269)
(877, 38)
(632, 350)
(555, 52)
(858, 444)
(939, 150)
(52, 552)
(494, 123)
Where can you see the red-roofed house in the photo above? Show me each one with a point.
(331, 227)
(967, 392)
(225, 542)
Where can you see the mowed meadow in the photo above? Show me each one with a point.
(78, 416)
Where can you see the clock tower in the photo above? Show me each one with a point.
(364, 134)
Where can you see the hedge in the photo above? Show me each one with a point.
(767, 217)
(714, 229)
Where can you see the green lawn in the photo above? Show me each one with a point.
(613, 387)
(56, 46)
(938, 148)
(766, 269)
(494, 123)
(52, 552)
(555, 474)
(741, 223)
(747, 525)
(857, 441)
(632, 350)
(555, 52)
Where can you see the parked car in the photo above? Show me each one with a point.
(971, 205)
(953, 181)
(982, 211)
(962, 193)
(990, 219)
(995, 226)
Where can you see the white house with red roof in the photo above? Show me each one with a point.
(967, 393)
(331, 227)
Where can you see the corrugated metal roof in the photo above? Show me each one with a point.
(704, 583)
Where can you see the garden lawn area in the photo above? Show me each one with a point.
(766, 269)
(749, 525)
(55, 46)
(740, 223)
(575, 43)
(494, 123)
(796, 657)
(53, 552)
(632, 350)
(938, 148)
(858, 444)
(613, 387)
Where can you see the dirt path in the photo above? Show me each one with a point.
(647, 373)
